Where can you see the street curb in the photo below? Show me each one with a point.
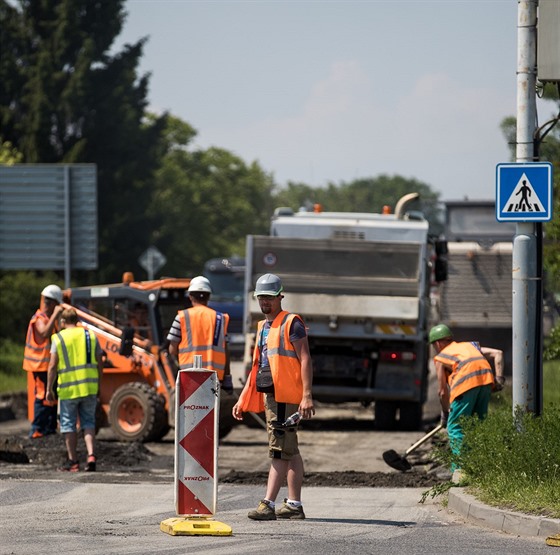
(510, 522)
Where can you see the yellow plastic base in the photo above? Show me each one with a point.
(554, 541)
(194, 527)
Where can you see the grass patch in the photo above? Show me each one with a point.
(13, 379)
(514, 463)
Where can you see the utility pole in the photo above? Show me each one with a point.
(526, 274)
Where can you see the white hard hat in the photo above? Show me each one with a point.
(53, 292)
(199, 284)
(269, 284)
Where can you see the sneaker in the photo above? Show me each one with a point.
(70, 466)
(289, 511)
(91, 463)
(263, 512)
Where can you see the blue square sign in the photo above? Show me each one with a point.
(524, 192)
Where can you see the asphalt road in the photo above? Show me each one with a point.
(67, 516)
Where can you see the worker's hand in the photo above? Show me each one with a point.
(237, 412)
(499, 382)
(444, 418)
(227, 384)
(58, 310)
(49, 396)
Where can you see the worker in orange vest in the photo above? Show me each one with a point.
(279, 384)
(465, 380)
(201, 330)
(36, 360)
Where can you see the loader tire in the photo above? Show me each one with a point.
(137, 413)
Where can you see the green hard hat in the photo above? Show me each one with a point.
(441, 331)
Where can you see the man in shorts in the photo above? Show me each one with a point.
(279, 383)
(76, 359)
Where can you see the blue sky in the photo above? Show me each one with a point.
(320, 91)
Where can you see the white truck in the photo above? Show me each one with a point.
(361, 282)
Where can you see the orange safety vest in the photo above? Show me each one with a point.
(285, 366)
(203, 332)
(470, 368)
(36, 354)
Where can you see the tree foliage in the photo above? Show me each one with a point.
(207, 201)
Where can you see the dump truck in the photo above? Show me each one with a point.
(131, 321)
(361, 282)
(476, 299)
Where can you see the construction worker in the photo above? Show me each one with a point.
(36, 359)
(465, 380)
(201, 330)
(76, 360)
(279, 384)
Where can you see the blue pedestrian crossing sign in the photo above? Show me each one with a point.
(524, 192)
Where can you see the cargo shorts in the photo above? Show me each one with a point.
(282, 442)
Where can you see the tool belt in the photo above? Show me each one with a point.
(264, 380)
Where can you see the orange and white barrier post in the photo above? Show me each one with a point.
(197, 402)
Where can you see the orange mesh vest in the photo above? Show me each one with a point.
(284, 366)
(36, 354)
(469, 368)
(203, 332)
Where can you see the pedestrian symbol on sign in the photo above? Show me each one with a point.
(524, 192)
(524, 198)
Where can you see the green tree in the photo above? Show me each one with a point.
(64, 98)
(206, 202)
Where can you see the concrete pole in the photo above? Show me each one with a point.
(526, 382)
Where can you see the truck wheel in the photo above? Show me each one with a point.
(385, 415)
(410, 418)
(137, 413)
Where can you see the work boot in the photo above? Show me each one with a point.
(289, 511)
(91, 463)
(70, 466)
(263, 512)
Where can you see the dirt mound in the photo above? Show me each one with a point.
(345, 479)
(50, 451)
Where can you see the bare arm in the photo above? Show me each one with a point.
(51, 376)
(496, 358)
(44, 329)
(302, 349)
(443, 387)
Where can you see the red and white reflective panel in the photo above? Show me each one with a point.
(196, 442)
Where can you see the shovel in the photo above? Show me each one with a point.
(399, 462)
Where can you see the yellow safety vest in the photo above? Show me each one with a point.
(77, 364)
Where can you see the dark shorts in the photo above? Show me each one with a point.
(71, 409)
(282, 443)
